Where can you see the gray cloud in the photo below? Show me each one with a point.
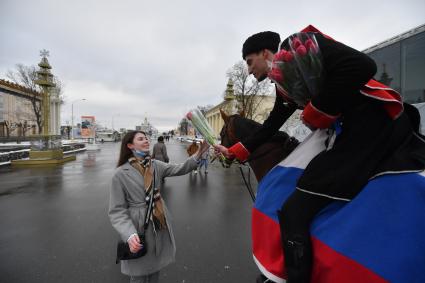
(161, 58)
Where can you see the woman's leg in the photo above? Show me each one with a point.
(138, 279)
(201, 163)
(295, 218)
(151, 278)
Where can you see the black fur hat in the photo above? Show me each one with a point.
(259, 41)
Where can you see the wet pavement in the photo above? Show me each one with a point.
(54, 224)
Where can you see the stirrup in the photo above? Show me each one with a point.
(297, 251)
(263, 279)
(299, 264)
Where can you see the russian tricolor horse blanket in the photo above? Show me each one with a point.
(379, 236)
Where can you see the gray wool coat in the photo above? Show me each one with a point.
(127, 210)
(159, 152)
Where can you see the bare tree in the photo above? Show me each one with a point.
(248, 91)
(205, 108)
(26, 76)
(59, 87)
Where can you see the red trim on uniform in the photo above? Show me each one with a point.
(392, 100)
(311, 28)
(239, 151)
(316, 118)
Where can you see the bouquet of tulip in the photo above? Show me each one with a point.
(201, 125)
(297, 68)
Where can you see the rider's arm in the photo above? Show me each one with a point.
(280, 113)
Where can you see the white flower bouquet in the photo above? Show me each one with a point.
(202, 126)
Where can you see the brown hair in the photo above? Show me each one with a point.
(125, 152)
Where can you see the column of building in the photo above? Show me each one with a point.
(55, 104)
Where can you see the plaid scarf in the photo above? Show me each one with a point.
(144, 166)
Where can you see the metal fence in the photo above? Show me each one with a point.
(15, 152)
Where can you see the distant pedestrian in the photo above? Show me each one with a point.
(159, 151)
(136, 174)
(204, 161)
(191, 150)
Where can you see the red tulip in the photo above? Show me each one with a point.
(276, 75)
(288, 56)
(189, 115)
(301, 50)
(296, 42)
(310, 45)
(280, 56)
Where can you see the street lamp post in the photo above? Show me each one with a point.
(72, 116)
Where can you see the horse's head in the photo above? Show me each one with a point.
(235, 128)
(265, 156)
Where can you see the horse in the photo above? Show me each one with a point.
(274, 150)
(379, 236)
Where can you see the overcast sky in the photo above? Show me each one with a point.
(131, 59)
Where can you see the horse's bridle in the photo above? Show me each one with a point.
(228, 132)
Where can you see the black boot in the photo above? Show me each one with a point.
(298, 254)
(298, 259)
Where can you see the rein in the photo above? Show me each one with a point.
(248, 183)
(229, 132)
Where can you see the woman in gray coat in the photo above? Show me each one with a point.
(127, 208)
(159, 151)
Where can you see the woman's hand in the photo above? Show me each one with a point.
(134, 244)
(220, 149)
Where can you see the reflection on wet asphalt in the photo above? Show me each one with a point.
(55, 228)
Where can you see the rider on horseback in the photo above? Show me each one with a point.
(374, 136)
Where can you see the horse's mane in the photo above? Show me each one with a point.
(246, 126)
(267, 155)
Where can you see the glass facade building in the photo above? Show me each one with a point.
(401, 64)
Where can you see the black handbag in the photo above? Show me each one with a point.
(123, 249)
(124, 253)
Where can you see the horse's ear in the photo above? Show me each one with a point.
(242, 113)
(224, 116)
